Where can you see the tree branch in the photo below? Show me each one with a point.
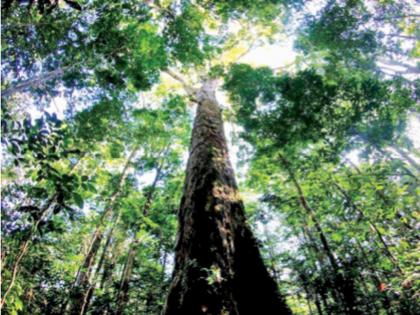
(187, 87)
(34, 82)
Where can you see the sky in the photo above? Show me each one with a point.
(278, 55)
(275, 56)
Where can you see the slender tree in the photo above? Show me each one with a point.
(122, 295)
(79, 293)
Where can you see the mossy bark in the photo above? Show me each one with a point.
(218, 266)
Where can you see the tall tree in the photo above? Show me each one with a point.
(218, 267)
(340, 232)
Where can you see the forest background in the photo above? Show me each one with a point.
(320, 103)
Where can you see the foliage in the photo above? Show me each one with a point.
(95, 130)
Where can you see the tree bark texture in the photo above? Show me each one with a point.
(218, 266)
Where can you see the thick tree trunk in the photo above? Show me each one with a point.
(218, 267)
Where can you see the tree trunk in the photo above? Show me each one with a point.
(25, 247)
(311, 212)
(406, 156)
(80, 289)
(381, 196)
(344, 286)
(218, 266)
(308, 299)
(106, 283)
(372, 275)
(101, 262)
(318, 305)
(122, 296)
(328, 281)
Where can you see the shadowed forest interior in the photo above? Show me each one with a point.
(187, 157)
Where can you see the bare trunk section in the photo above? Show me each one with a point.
(218, 266)
(80, 292)
(100, 264)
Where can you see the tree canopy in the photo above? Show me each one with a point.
(98, 102)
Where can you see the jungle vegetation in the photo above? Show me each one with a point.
(155, 160)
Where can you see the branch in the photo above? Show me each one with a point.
(402, 36)
(188, 88)
(34, 82)
(396, 17)
(409, 69)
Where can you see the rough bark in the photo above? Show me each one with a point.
(218, 267)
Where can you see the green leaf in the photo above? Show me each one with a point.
(18, 304)
(91, 187)
(337, 237)
(78, 200)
